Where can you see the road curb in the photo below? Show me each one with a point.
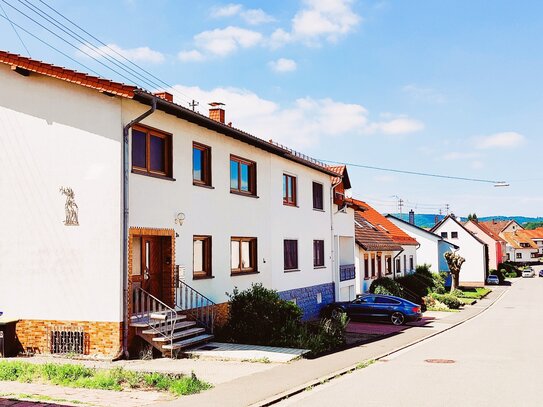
(341, 372)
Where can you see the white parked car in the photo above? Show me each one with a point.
(492, 279)
(529, 272)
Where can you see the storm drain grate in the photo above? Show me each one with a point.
(443, 361)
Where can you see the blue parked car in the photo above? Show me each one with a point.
(541, 273)
(377, 307)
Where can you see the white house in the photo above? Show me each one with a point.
(474, 250)
(432, 247)
(122, 205)
(519, 247)
(496, 245)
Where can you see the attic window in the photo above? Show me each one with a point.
(384, 228)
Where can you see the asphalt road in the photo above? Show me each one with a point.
(495, 359)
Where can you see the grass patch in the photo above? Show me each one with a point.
(467, 301)
(442, 309)
(257, 360)
(475, 293)
(364, 364)
(117, 379)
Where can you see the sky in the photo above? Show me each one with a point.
(450, 87)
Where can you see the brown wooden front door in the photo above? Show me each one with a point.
(148, 265)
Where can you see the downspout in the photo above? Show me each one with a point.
(332, 243)
(126, 175)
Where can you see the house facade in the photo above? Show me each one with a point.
(432, 247)
(519, 247)
(375, 253)
(496, 245)
(474, 250)
(115, 195)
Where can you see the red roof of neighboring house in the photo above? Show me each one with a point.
(68, 75)
(370, 238)
(517, 237)
(379, 221)
(534, 233)
(341, 171)
(485, 229)
(496, 226)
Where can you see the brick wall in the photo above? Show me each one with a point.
(306, 298)
(101, 338)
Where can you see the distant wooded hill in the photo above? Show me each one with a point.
(428, 220)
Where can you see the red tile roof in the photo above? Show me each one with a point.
(68, 75)
(496, 226)
(392, 231)
(485, 229)
(517, 237)
(341, 171)
(534, 234)
(370, 238)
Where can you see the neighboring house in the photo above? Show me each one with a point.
(432, 247)
(499, 226)
(375, 254)
(118, 198)
(404, 262)
(474, 250)
(496, 245)
(520, 247)
(537, 237)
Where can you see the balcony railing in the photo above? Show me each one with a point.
(347, 272)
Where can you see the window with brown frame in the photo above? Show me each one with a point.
(318, 197)
(318, 253)
(243, 255)
(201, 260)
(379, 266)
(411, 263)
(151, 152)
(388, 265)
(366, 267)
(242, 176)
(290, 254)
(201, 164)
(372, 265)
(289, 190)
(398, 265)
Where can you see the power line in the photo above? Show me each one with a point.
(52, 47)
(424, 174)
(14, 29)
(115, 51)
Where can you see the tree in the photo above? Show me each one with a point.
(454, 262)
(474, 217)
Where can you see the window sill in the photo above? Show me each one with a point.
(366, 278)
(150, 174)
(318, 210)
(319, 267)
(290, 205)
(249, 195)
(202, 277)
(291, 270)
(197, 184)
(243, 273)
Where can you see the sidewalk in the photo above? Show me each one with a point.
(263, 388)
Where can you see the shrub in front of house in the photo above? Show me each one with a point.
(510, 268)
(258, 316)
(386, 286)
(449, 300)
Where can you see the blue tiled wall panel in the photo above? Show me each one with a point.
(306, 298)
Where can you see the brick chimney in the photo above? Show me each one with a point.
(164, 95)
(216, 112)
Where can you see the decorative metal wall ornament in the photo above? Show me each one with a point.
(179, 218)
(71, 209)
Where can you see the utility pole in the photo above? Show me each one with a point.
(447, 207)
(400, 205)
(193, 104)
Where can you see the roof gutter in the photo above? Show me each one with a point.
(229, 131)
(126, 208)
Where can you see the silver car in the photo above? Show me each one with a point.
(529, 272)
(492, 279)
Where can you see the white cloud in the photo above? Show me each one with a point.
(400, 125)
(299, 124)
(318, 20)
(254, 16)
(500, 140)
(228, 10)
(283, 65)
(224, 41)
(140, 54)
(424, 94)
(190, 56)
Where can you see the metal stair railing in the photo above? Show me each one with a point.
(196, 305)
(160, 317)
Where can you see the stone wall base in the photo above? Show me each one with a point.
(307, 298)
(102, 339)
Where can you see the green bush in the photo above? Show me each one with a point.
(416, 283)
(449, 300)
(386, 286)
(509, 268)
(257, 315)
(457, 293)
(511, 275)
(439, 283)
